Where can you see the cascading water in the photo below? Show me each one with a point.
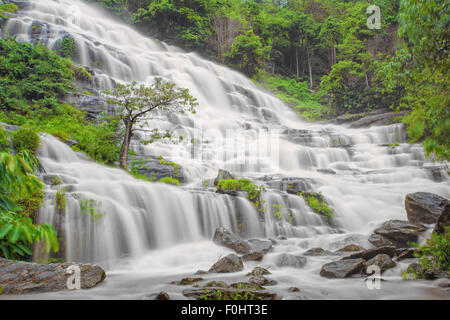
(148, 233)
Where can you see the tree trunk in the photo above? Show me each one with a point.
(126, 143)
(296, 59)
(310, 69)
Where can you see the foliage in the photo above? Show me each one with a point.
(25, 140)
(66, 47)
(170, 180)
(253, 191)
(17, 231)
(4, 141)
(243, 293)
(7, 7)
(317, 203)
(136, 103)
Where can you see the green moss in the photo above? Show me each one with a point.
(7, 7)
(25, 140)
(253, 191)
(83, 75)
(175, 166)
(60, 200)
(317, 203)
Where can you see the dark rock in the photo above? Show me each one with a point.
(262, 281)
(294, 289)
(326, 170)
(318, 252)
(442, 283)
(230, 263)
(153, 168)
(188, 281)
(226, 238)
(253, 256)
(351, 248)
(343, 268)
(200, 272)
(216, 284)
(223, 175)
(383, 261)
(289, 260)
(424, 207)
(400, 232)
(405, 253)
(369, 254)
(258, 271)
(443, 220)
(377, 119)
(379, 241)
(246, 286)
(291, 185)
(24, 277)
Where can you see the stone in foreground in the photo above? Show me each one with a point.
(400, 232)
(289, 260)
(226, 238)
(424, 207)
(230, 263)
(24, 277)
(383, 261)
(343, 268)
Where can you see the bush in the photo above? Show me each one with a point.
(4, 142)
(7, 7)
(170, 180)
(25, 140)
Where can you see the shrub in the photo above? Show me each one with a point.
(25, 140)
(170, 180)
(7, 7)
(317, 203)
(4, 142)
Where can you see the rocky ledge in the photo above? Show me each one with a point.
(26, 278)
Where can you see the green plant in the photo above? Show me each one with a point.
(83, 75)
(7, 7)
(25, 140)
(170, 180)
(66, 47)
(4, 142)
(60, 200)
(91, 208)
(317, 203)
(56, 181)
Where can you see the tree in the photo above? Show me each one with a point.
(136, 103)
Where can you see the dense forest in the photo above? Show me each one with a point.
(319, 55)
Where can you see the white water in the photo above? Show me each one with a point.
(148, 234)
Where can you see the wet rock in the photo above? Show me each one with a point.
(326, 170)
(405, 253)
(379, 241)
(223, 175)
(230, 263)
(442, 283)
(291, 185)
(260, 245)
(258, 271)
(154, 169)
(24, 277)
(424, 207)
(246, 286)
(253, 256)
(262, 281)
(314, 252)
(294, 289)
(383, 261)
(351, 248)
(258, 295)
(200, 272)
(369, 254)
(226, 238)
(400, 232)
(443, 220)
(157, 296)
(343, 268)
(289, 260)
(216, 284)
(189, 280)
(377, 119)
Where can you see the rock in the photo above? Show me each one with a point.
(223, 175)
(294, 289)
(188, 281)
(162, 296)
(289, 260)
(343, 268)
(424, 207)
(226, 238)
(443, 220)
(230, 263)
(25, 278)
(314, 252)
(260, 245)
(291, 185)
(379, 241)
(258, 295)
(405, 253)
(217, 284)
(400, 232)
(369, 254)
(383, 261)
(326, 170)
(246, 286)
(253, 256)
(262, 281)
(258, 271)
(351, 248)
(377, 119)
(200, 272)
(442, 283)
(155, 169)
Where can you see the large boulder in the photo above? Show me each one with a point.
(224, 237)
(379, 241)
(343, 268)
(230, 263)
(315, 252)
(443, 220)
(424, 207)
(369, 254)
(383, 261)
(223, 175)
(289, 260)
(400, 232)
(24, 278)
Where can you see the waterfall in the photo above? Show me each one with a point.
(111, 217)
